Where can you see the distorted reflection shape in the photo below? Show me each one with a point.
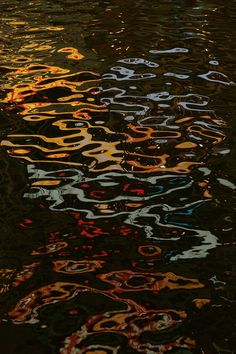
(120, 145)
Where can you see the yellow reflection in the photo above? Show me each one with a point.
(46, 183)
(186, 145)
(73, 53)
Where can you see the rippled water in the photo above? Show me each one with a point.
(117, 177)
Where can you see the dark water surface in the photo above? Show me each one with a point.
(118, 189)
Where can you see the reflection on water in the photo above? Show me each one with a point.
(118, 177)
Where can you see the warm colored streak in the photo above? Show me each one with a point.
(217, 136)
(46, 183)
(150, 133)
(181, 167)
(73, 53)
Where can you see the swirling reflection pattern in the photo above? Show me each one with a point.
(118, 166)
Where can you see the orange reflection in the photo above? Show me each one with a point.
(50, 248)
(76, 267)
(125, 281)
(73, 53)
(149, 133)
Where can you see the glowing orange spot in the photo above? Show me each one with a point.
(57, 156)
(207, 194)
(46, 183)
(20, 151)
(186, 145)
(44, 47)
(199, 303)
(134, 205)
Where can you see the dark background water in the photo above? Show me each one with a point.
(117, 177)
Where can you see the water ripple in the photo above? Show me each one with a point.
(120, 201)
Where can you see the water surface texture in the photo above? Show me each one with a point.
(118, 187)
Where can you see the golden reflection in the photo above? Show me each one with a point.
(199, 303)
(181, 167)
(75, 267)
(131, 325)
(186, 145)
(123, 281)
(20, 151)
(63, 120)
(149, 133)
(65, 99)
(46, 183)
(73, 53)
(12, 277)
(217, 137)
(57, 156)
